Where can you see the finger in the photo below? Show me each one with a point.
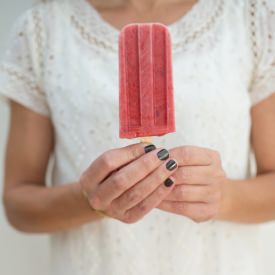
(194, 175)
(153, 200)
(191, 193)
(128, 176)
(110, 161)
(196, 211)
(192, 155)
(145, 187)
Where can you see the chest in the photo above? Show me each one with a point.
(211, 81)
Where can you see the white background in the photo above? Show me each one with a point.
(22, 254)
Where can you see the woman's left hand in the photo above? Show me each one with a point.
(199, 181)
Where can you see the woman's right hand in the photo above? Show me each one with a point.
(126, 183)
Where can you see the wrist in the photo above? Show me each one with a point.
(226, 206)
(85, 197)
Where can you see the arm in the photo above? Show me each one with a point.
(203, 192)
(30, 205)
(126, 183)
(253, 200)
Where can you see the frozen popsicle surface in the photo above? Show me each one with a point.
(146, 100)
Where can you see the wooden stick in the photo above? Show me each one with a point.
(146, 139)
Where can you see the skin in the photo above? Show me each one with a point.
(201, 190)
(116, 182)
(203, 193)
(121, 12)
(133, 190)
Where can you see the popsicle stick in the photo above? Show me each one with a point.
(146, 139)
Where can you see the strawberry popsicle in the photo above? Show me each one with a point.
(146, 100)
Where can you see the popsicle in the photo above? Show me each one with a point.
(146, 100)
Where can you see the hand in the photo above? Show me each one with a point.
(126, 183)
(199, 180)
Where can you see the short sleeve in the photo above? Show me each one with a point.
(262, 30)
(19, 77)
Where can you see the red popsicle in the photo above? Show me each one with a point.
(146, 100)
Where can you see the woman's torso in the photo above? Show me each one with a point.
(212, 66)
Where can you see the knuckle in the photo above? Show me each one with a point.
(132, 196)
(207, 217)
(197, 219)
(129, 218)
(211, 213)
(143, 208)
(180, 208)
(199, 215)
(120, 181)
(206, 214)
(115, 210)
(108, 160)
(135, 152)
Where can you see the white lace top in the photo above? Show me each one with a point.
(62, 62)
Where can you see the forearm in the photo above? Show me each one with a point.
(39, 209)
(249, 201)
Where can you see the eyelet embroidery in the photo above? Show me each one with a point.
(78, 249)
(23, 78)
(86, 35)
(254, 32)
(39, 38)
(253, 29)
(262, 49)
(185, 32)
(196, 34)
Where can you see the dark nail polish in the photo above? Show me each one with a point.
(149, 148)
(163, 154)
(171, 165)
(168, 182)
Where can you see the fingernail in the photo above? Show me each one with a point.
(171, 165)
(149, 148)
(163, 154)
(168, 182)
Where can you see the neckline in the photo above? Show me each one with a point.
(112, 28)
(93, 28)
